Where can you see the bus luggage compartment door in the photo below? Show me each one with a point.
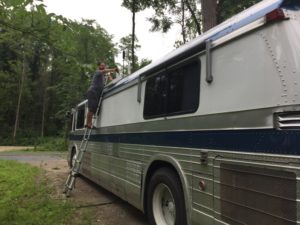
(252, 192)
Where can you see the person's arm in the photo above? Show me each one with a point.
(109, 70)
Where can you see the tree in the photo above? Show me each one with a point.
(209, 14)
(126, 45)
(193, 17)
(185, 13)
(134, 6)
(21, 87)
(44, 63)
(144, 62)
(229, 8)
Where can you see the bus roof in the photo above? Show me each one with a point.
(234, 23)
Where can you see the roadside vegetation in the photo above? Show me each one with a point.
(26, 198)
(39, 143)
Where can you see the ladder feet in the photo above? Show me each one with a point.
(67, 193)
(74, 172)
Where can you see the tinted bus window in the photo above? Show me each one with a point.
(80, 117)
(156, 95)
(176, 92)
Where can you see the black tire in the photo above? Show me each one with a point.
(165, 182)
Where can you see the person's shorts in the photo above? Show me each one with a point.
(93, 100)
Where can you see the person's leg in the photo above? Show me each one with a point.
(89, 119)
(93, 101)
(92, 106)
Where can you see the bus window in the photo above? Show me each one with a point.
(156, 96)
(80, 117)
(174, 93)
(183, 89)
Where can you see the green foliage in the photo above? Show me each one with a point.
(144, 62)
(51, 144)
(135, 5)
(25, 198)
(125, 45)
(45, 60)
(228, 8)
(185, 13)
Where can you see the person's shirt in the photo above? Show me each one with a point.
(97, 82)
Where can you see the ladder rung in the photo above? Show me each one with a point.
(74, 173)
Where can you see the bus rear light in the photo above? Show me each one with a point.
(275, 15)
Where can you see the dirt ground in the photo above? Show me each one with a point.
(14, 148)
(104, 207)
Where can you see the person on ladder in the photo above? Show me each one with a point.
(95, 90)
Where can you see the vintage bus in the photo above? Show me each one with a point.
(210, 133)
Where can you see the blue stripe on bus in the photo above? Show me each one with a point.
(262, 141)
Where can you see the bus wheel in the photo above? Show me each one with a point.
(165, 202)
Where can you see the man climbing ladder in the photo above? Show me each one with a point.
(95, 91)
(95, 95)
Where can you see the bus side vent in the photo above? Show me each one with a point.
(257, 196)
(287, 120)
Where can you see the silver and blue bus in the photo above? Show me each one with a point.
(210, 133)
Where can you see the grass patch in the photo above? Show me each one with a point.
(25, 197)
(51, 144)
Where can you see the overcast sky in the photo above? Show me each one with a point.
(116, 20)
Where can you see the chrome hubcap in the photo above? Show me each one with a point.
(164, 209)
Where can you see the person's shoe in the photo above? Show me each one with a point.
(88, 126)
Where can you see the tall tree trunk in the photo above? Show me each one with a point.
(44, 109)
(209, 14)
(182, 22)
(19, 99)
(194, 17)
(133, 34)
(43, 114)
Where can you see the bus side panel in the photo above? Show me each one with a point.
(121, 108)
(119, 167)
(256, 188)
(133, 170)
(202, 187)
(240, 67)
(236, 189)
(116, 167)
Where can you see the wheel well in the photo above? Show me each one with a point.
(73, 151)
(152, 169)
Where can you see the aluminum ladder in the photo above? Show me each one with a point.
(74, 172)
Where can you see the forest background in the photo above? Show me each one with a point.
(46, 60)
